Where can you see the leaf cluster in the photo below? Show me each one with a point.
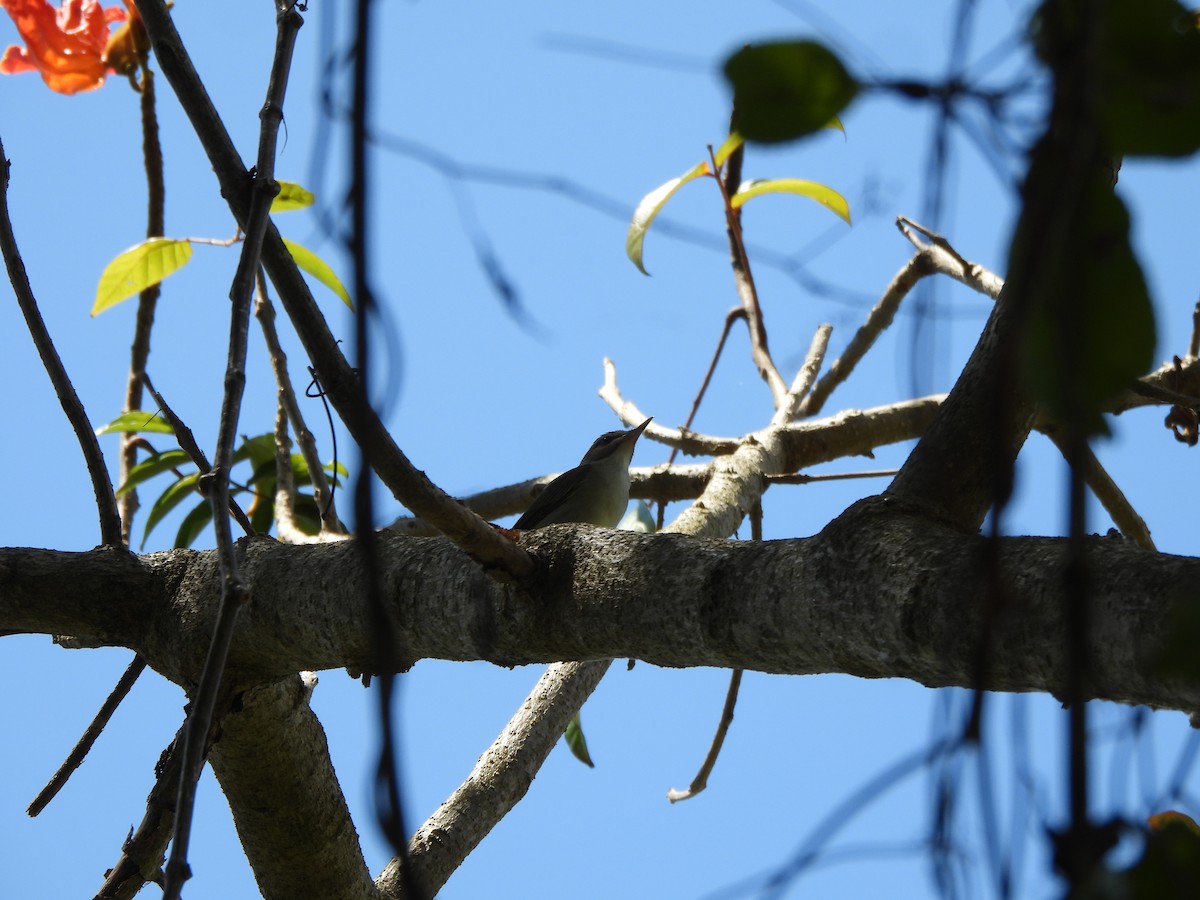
(259, 484)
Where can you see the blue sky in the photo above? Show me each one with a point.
(478, 397)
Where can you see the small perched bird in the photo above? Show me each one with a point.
(595, 492)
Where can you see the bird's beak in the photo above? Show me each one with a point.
(636, 433)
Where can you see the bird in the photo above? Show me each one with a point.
(595, 492)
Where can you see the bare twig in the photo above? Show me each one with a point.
(234, 593)
(139, 351)
(84, 744)
(831, 476)
(264, 311)
(700, 782)
(1110, 495)
(1194, 344)
(738, 312)
(142, 853)
(878, 319)
(935, 257)
(732, 316)
(285, 484)
(805, 377)
(948, 261)
(106, 502)
(743, 278)
(499, 780)
(187, 443)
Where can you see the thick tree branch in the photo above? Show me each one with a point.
(963, 463)
(273, 756)
(499, 780)
(882, 592)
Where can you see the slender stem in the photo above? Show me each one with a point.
(386, 650)
(139, 352)
(187, 443)
(80, 750)
(732, 316)
(141, 854)
(234, 593)
(744, 278)
(264, 311)
(106, 501)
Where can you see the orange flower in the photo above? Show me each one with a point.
(66, 45)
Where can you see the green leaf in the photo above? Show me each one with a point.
(1170, 863)
(291, 196)
(577, 743)
(826, 196)
(1092, 325)
(154, 465)
(1143, 70)
(649, 207)
(259, 449)
(175, 494)
(1150, 70)
(306, 514)
(785, 90)
(725, 151)
(261, 511)
(137, 420)
(193, 523)
(138, 268)
(318, 269)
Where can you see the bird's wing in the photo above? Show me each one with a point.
(553, 496)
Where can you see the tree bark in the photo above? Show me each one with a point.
(883, 592)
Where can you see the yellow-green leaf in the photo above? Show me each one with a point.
(291, 196)
(649, 208)
(138, 268)
(318, 269)
(826, 196)
(725, 151)
(138, 420)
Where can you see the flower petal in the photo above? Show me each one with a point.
(65, 45)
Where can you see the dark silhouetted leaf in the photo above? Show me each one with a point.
(1094, 301)
(1150, 62)
(785, 90)
(169, 499)
(1170, 865)
(193, 523)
